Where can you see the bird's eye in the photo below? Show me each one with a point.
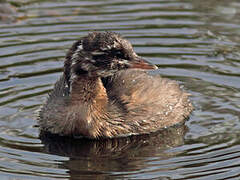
(119, 54)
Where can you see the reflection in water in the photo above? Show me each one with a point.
(87, 157)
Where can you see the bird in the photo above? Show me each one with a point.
(107, 91)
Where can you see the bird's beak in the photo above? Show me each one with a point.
(140, 63)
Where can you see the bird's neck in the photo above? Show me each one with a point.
(88, 91)
(89, 96)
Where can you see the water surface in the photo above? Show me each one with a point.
(193, 42)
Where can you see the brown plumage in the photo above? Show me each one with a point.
(104, 93)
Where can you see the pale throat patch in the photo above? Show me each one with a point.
(75, 55)
(74, 58)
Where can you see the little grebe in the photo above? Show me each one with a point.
(104, 93)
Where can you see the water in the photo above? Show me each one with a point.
(194, 42)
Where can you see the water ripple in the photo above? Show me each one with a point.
(193, 42)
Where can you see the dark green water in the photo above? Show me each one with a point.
(194, 42)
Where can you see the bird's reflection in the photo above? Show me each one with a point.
(122, 154)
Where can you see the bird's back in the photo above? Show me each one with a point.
(150, 101)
